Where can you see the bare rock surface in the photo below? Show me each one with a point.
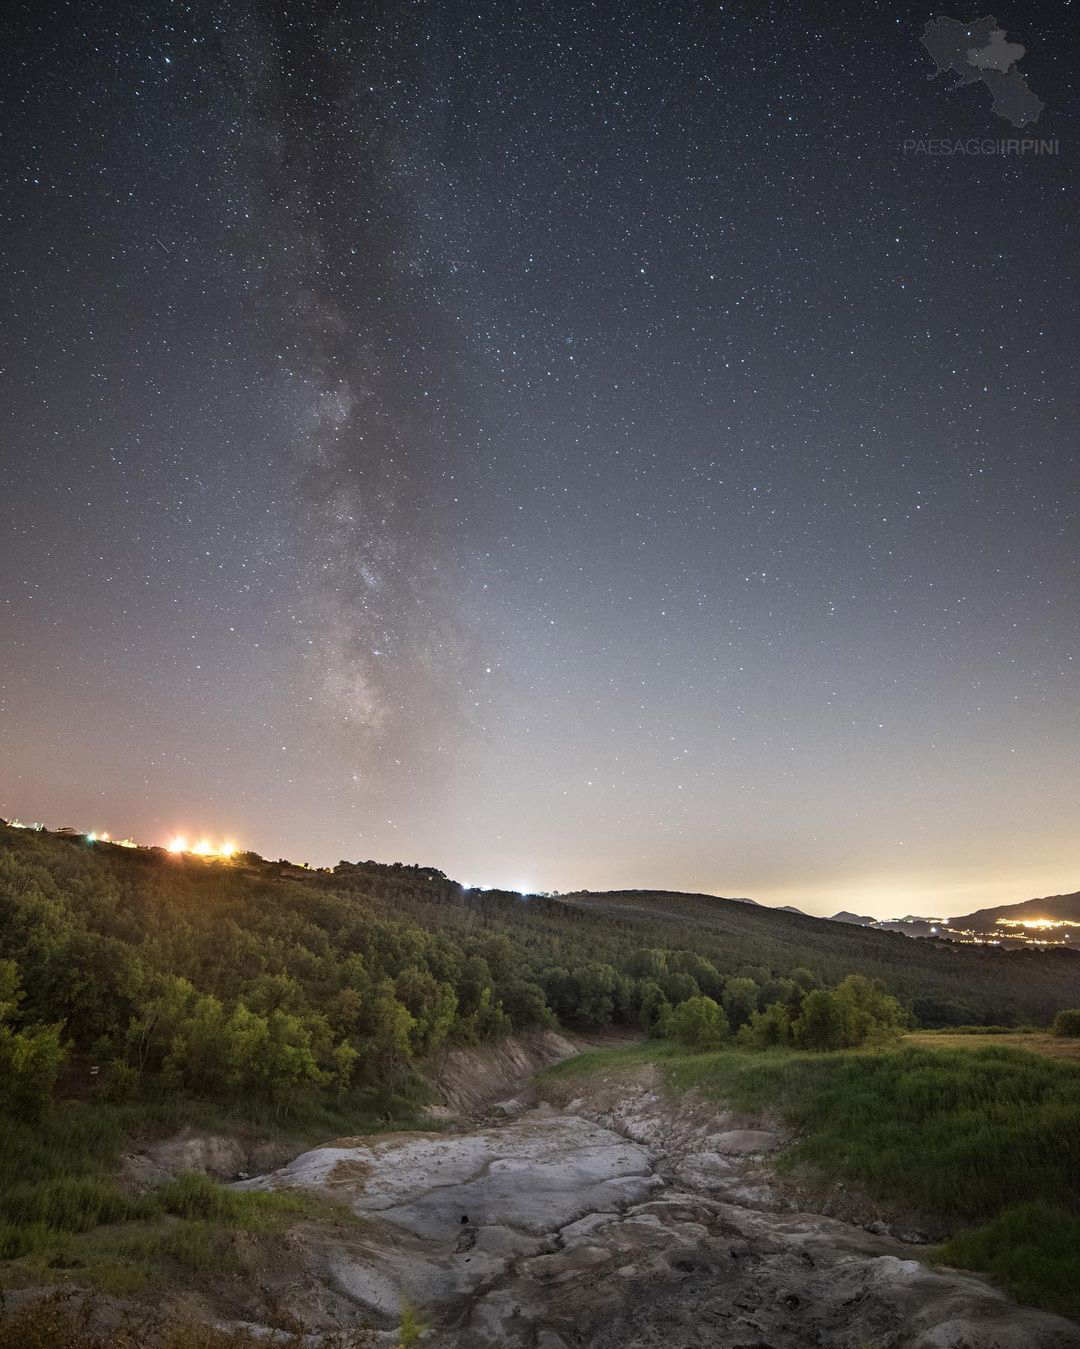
(622, 1220)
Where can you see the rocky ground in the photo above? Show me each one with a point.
(610, 1217)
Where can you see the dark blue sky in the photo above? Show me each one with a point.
(567, 444)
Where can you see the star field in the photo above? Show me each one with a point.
(570, 445)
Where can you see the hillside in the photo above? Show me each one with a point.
(257, 980)
(945, 983)
(1058, 907)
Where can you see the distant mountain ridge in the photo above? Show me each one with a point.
(1061, 907)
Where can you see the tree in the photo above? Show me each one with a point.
(596, 988)
(488, 1021)
(856, 1011)
(646, 963)
(870, 1013)
(29, 1062)
(654, 1009)
(525, 1004)
(11, 993)
(805, 979)
(29, 1059)
(740, 1001)
(699, 1023)
(820, 1024)
(678, 986)
(768, 1028)
(433, 1006)
(475, 981)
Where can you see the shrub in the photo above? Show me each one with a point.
(1067, 1023)
(698, 1023)
(193, 1195)
(29, 1062)
(119, 1082)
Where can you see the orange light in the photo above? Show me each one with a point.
(204, 848)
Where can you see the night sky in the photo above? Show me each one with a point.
(565, 444)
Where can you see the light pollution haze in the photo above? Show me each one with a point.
(568, 448)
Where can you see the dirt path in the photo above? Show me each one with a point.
(616, 1219)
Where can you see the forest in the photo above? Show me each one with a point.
(128, 969)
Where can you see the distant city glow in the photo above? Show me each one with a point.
(1035, 923)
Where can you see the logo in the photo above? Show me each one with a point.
(980, 53)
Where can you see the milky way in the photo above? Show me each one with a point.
(567, 445)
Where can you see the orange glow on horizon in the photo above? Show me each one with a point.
(202, 848)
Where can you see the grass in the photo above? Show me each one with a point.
(596, 1062)
(64, 1217)
(192, 1226)
(1034, 1041)
(84, 1140)
(987, 1138)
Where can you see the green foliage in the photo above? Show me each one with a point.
(69, 1204)
(526, 1005)
(265, 986)
(964, 1133)
(29, 1063)
(820, 1023)
(119, 1082)
(740, 1001)
(30, 1059)
(857, 1011)
(194, 1195)
(768, 1029)
(1032, 1249)
(698, 1023)
(654, 1010)
(1067, 1022)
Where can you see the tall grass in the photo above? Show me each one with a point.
(952, 1132)
(63, 1213)
(987, 1140)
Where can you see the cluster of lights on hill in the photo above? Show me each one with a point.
(1019, 932)
(178, 845)
(204, 848)
(1038, 924)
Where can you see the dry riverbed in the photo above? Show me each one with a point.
(596, 1212)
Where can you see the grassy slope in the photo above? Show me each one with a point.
(987, 1138)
